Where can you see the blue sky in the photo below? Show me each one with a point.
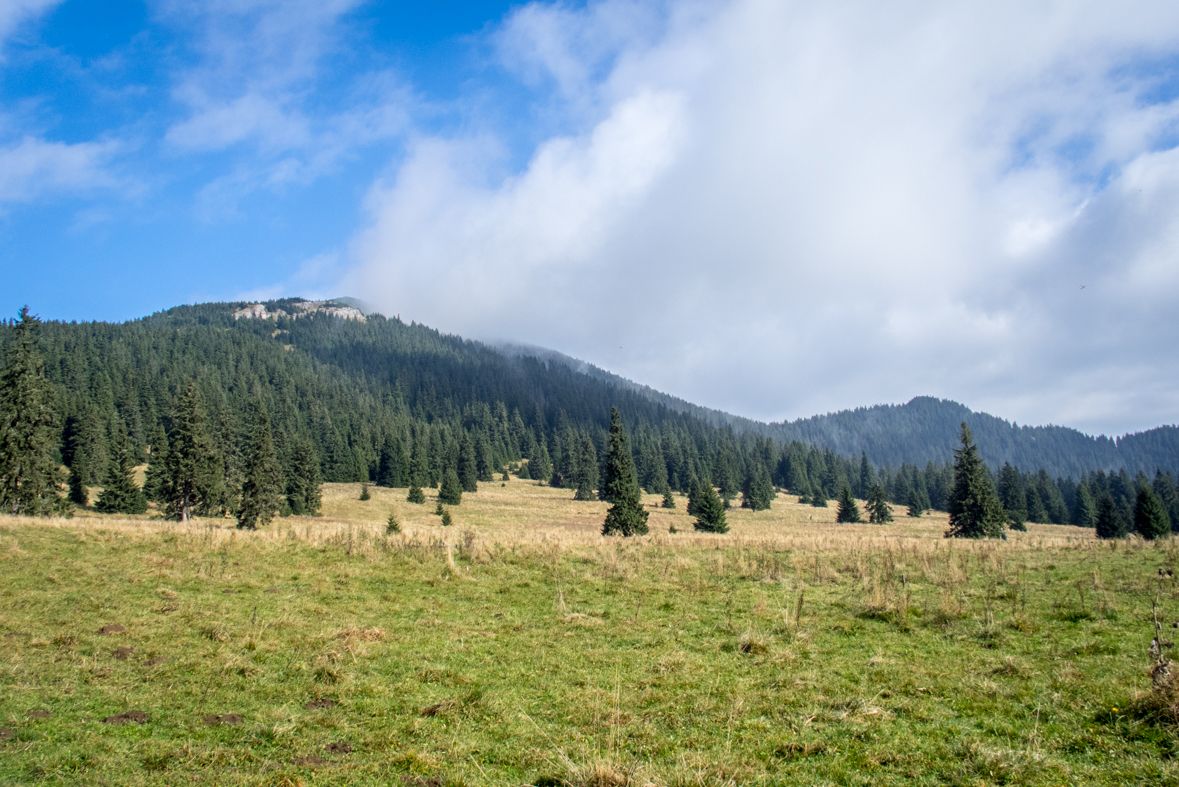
(774, 208)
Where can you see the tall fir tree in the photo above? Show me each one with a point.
(585, 472)
(879, 511)
(975, 510)
(304, 484)
(1108, 521)
(710, 511)
(468, 470)
(30, 483)
(391, 469)
(155, 481)
(1164, 487)
(626, 516)
(262, 490)
(541, 468)
(451, 491)
(194, 469)
(120, 494)
(1150, 518)
(757, 492)
(847, 511)
(1085, 509)
(1012, 496)
(79, 473)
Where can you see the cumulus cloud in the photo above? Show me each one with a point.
(788, 208)
(15, 12)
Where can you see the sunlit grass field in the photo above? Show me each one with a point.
(518, 646)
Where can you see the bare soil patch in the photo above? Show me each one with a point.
(320, 703)
(217, 719)
(6, 734)
(112, 628)
(156, 661)
(340, 747)
(40, 714)
(136, 716)
(122, 654)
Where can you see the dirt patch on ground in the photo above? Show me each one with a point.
(6, 734)
(228, 590)
(136, 716)
(217, 719)
(122, 654)
(113, 628)
(270, 590)
(312, 760)
(340, 747)
(39, 714)
(15, 634)
(320, 703)
(158, 660)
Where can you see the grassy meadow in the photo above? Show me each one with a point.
(520, 647)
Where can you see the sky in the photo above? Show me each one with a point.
(775, 208)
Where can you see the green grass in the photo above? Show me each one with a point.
(529, 663)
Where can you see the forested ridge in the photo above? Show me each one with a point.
(400, 404)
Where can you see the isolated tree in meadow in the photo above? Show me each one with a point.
(416, 495)
(1108, 521)
(620, 487)
(304, 484)
(668, 499)
(848, 511)
(879, 511)
(194, 468)
(710, 511)
(29, 479)
(1150, 518)
(262, 491)
(451, 491)
(120, 493)
(975, 510)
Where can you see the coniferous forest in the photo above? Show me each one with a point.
(286, 402)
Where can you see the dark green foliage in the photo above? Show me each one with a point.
(194, 467)
(120, 494)
(918, 498)
(758, 491)
(468, 472)
(29, 479)
(1164, 487)
(1150, 518)
(710, 511)
(364, 493)
(541, 467)
(416, 495)
(393, 469)
(1109, 521)
(304, 485)
(451, 491)
(879, 512)
(975, 510)
(392, 524)
(262, 491)
(1084, 509)
(1012, 496)
(79, 495)
(818, 496)
(155, 482)
(585, 469)
(668, 500)
(626, 516)
(848, 511)
(447, 520)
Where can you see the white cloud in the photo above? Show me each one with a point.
(787, 208)
(14, 12)
(36, 167)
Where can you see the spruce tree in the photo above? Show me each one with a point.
(1150, 518)
(29, 479)
(668, 499)
(585, 472)
(120, 494)
(79, 494)
(879, 511)
(451, 491)
(541, 468)
(262, 490)
(848, 511)
(1013, 497)
(1108, 521)
(1164, 487)
(626, 516)
(416, 495)
(819, 497)
(1085, 510)
(391, 469)
(155, 482)
(468, 473)
(194, 468)
(304, 485)
(757, 492)
(710, 512)
(975, 510)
